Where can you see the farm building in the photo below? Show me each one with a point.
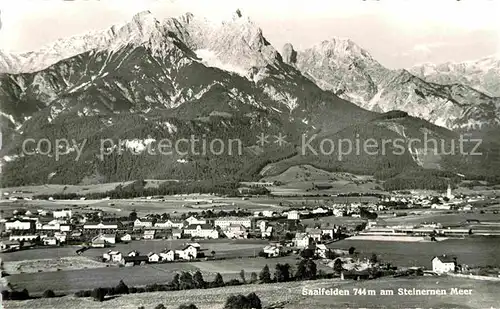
(153, 257)
(188, 252)
(167, 255)
(444, 264)
(149, 235)
(134, 260)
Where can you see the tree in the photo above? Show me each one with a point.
(265, 275)
(218, 281)
(190, 306)
(330, 254)
(121, 288)
(98, 294)
(251, 301)
(242, 276)
(175, 284)
(311, 269)
(198, 281)
(282, 273)
(373, 259)
(253, 277)
(306, 270)
(132, 216)
(186, 281)
(351, 250)
(254, 301)
(213, 253)
(160, 306)
(48, 294)
(307, 253)
(337, 265)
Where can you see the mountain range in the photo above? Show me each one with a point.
(148, 80)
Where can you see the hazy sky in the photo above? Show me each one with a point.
(399, 33)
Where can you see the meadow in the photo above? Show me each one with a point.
(75, 280)
(289, 295)
(479, 251)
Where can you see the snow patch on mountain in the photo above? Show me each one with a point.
(210, 59)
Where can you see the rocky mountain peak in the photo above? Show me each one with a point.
(289, 54)
(237, 14)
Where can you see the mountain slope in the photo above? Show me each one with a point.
(132, 88)
(342, 66)
(482, 74)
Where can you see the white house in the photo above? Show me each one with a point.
(112, 256)
(149, 235)
(272, 251)
(293, 215)
(126, 238)
(102, 239)
(60, 236)
(314, 233)
(170, 224)
(301, 240)
(19, 225)
(62, 213)
(193, 220)
(133, 253)
(65, 228)
(202, 231)
(187, 252)
(177, 233)
(444, 264)
(321, 251)
(167, 255)
(236, 232)
(153, 257)
(268, 232)
(223, 223)
(142, 223)
(13, 245)
(320, 211)
(26, 237)
(50, 241)
(100, 226)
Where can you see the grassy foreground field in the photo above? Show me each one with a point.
(484, 295)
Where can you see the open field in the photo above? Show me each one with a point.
(222, 248)
(48, 265)
(299, 180)
(72, 281)
(443, 217)
(395, 238)
(471, 251)
(484, 295)
(176, 205)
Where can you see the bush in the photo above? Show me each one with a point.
(83, 293)
(132, 290)
(98, 294)
(160, 306)
(49, 294)
(121, 288)
(190, 306)
(233, 282)
(15, 295)
(251, 301)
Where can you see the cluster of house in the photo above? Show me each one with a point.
(447, 201)
(32, 226)
(186, 252)
(192, 227)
